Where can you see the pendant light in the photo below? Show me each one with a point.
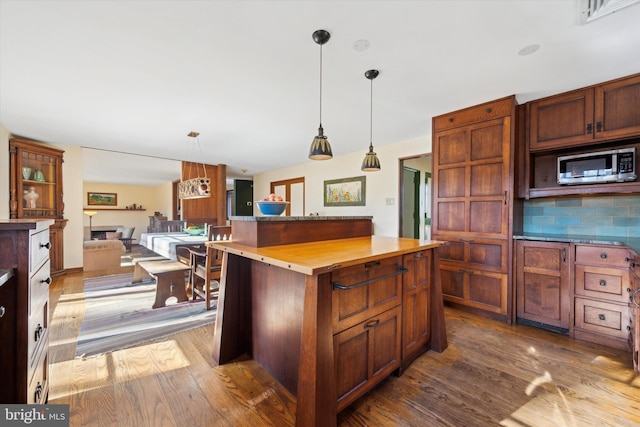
(320, 147)
(194, 185)
(371, 163)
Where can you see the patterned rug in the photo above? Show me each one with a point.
(118, 315)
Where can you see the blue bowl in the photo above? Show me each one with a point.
(194, 231)
(271, 208)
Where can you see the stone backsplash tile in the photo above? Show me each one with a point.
(596, 215)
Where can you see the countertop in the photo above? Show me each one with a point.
(630, 242)
(297, 218)
(319, 257)
(5, 275)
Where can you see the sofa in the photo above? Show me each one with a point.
(102, 254)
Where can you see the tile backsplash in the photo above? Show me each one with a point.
(617, 216)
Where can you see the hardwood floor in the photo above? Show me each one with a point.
(491, 374)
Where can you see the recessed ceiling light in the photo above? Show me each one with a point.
(361, 45)
(528, 50)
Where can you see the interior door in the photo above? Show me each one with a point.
(410, 205)
(243, 195)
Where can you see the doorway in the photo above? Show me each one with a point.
(415, 197)
(291, 190)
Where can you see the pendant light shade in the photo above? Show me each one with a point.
(371, 163)
(320, 147)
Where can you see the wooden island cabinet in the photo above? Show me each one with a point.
(328, 319)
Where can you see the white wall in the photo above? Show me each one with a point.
(380, 185)
(72, 198)
(4, 172)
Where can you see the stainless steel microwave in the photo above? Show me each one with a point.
(598, 167)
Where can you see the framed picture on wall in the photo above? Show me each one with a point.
(102, 199)
(345, 192)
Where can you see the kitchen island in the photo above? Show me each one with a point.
(328, 319)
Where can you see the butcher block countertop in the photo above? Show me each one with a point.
(320, 257)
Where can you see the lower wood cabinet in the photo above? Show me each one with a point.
(365, 354)
(542, 283)
(474, 273)
(416, 288)
(582, 289)
(24, 247)
(634, 313)
(602, 293)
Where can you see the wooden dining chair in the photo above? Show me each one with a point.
(206, 266)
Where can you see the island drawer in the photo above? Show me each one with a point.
(40, 246)
(365, 290)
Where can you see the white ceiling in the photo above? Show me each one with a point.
(137, 76)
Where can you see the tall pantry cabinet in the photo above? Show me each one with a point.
(473, 204)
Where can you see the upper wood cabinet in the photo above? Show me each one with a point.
(586, 116)
(36, 190)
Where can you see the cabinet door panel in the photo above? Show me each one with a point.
(415, 315)
(451, 182)
(487, 289)
(483, 139)
(450, 216)
(487, 217)
(489, 253)
(561, 120)
(365, 354)
(487, 180)
(542, 282)
(452, 251)
(453, 147)
(452, 281)
(614, 116)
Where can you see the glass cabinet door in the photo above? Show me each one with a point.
(36, 189)
(39, 174)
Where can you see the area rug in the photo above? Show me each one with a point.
(118, 315)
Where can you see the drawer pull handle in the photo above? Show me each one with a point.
(628, 328)
(372, 324)
(601, 317)
(372, 264)
(45, 245)
(400, 270)
(466, 270)
(599, 127)
(2, 310)
(38, 332)
(603, 283)
(564, 255)
(603, 255)
(38, 393)
(590, 128)
(47, 280)
(418, 255)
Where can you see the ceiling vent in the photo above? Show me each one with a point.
(594, 9)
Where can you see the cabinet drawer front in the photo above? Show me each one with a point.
(38, 331)
(38, 380)
(606, 256)
(474, 253)
(39, 249)
(479, 113)
(371, 288)
(599, 282)
(39, 288)
(602, 317)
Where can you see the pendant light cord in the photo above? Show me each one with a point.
(371, 117)
(320, 85)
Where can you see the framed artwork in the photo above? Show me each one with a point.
(345, 192)
(102, 199)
